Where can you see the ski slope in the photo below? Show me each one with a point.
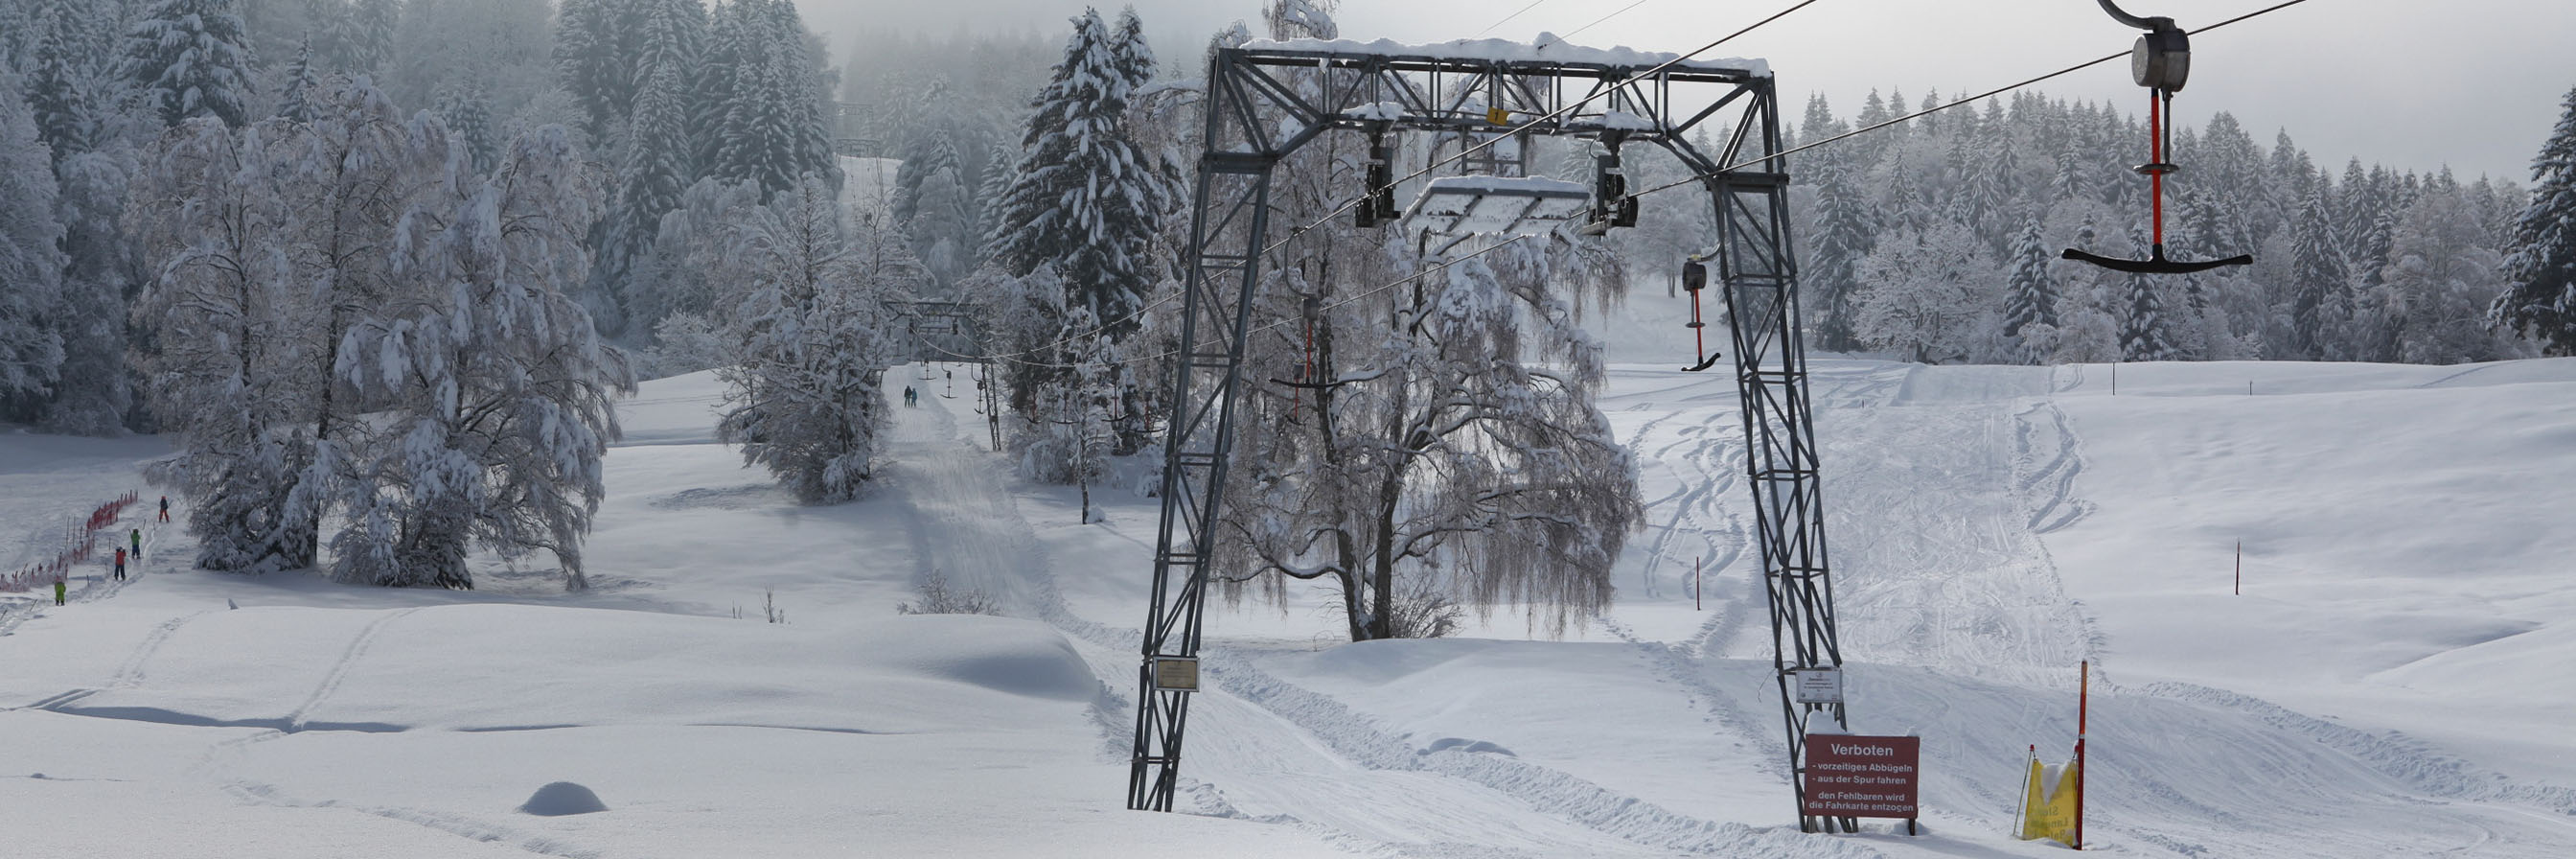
(2391, 682)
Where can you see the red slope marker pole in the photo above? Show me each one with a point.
(2083, 704)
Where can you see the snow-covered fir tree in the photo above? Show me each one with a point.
(467, 112)
(593, 50)
(1078, 202)
(803, 396)
(295, 93)
(2147, 321)
(2321, 305)
(935, 203)
(190, 58)
(2540, 298)
(1087, 200)
(361, 35)
(654, 171)
(1844, 229)
(2030, 300)
(762, 99)
(63, 83)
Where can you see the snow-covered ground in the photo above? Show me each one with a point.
(2392, 681)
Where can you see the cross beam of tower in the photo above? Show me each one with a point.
(1267, 100)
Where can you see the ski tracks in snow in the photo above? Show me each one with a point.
(357, 649)
(1267, 750)
(217, 764)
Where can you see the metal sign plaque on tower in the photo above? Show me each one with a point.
(1266, 100)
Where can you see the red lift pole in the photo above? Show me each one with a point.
(2083, 703)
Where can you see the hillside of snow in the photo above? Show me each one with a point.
(2391, 681)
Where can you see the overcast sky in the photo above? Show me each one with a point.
(2414, 84)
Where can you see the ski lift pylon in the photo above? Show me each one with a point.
(2161, 62)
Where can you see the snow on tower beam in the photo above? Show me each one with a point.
(1557, 90)
(1510, 205)
(1267, 99)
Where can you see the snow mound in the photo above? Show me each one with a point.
(562, 798)
(1457, 744)
(1005, 655)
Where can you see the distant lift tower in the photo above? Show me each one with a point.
(1266, 100)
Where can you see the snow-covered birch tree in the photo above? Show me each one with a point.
(1926, 294)
(494, 388)
(223, 300)
(31, 264)
(802, 394)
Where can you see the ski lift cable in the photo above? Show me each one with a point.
(1597, 22)
(1462, 153)
(1508, 18)
(1015, 357)
(1928, 111)
(1293, 234)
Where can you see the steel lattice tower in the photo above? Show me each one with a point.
(1264, 103)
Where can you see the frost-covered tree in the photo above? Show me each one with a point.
(226, 308)
(2442, 275)
(1080, 203)
(653, 172)
(1926, 294)
(803, 396)
(494, 50)
(1845, 228)
(467, 112)
(294, 95)
(352, 176)
(1422, 445)
(492, 390)
(761, 101)
(2540, 299)
(360, 35)
(2320, 304)
(592, 51)
(1074, 428)
(2029, 295)
(939, 210)
(31, 263)
(62, 83)
(190, 58)
(2147, 321)
(1087, 200)
(96, 390)
(1448, 453)
(689, 271)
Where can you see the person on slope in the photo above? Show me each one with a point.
(58, 587)
(138, 543)
(120, 563)
(165, 508)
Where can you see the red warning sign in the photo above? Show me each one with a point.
(1850, 776)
